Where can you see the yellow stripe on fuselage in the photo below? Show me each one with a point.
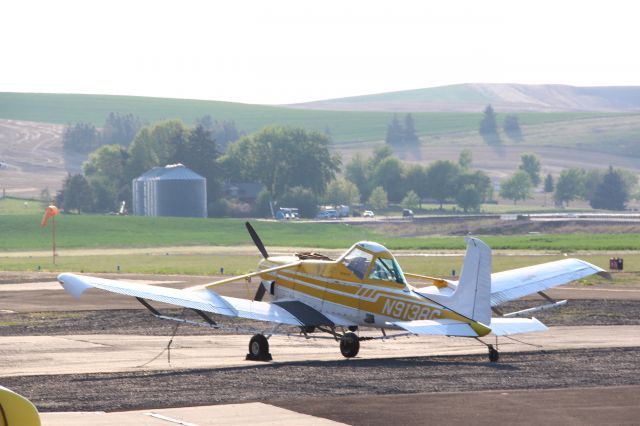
(365, 296)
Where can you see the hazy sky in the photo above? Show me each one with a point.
(293, 51)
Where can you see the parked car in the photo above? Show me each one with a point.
(407, 213)
(327, 214)
(368, 213)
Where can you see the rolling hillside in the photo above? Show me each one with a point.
(503, 97)
(344, 126)
(31, 155)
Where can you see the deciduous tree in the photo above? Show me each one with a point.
(530, 163)
(570, 186)
(441, 182)
(378, 199)
(517, 187)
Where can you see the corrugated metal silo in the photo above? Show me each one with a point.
(173, 190)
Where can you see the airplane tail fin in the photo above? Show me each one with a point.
(472, 297)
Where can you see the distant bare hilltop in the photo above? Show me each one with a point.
(504, 98)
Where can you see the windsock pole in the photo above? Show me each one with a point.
(53, 231)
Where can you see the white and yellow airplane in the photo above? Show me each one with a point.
(365, 287)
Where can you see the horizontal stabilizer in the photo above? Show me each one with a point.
(440, 327)
(507, 326)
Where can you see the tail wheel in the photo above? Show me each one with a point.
(259, 348)
(349, 345)
(494, 355)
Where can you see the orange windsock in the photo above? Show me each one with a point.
(50, 211)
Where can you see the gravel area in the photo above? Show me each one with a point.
(273, 382)
(140, 321)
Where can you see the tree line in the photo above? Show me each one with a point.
(121, 129)
(84, 138)
(608, 189)
(297, 169)
(286, 160)
(382, 178)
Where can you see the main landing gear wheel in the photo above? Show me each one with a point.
(259, 349)
(494, 355)
(349, 345)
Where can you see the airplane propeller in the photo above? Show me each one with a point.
(256, 240)
(260, 292)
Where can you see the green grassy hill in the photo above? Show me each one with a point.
(344, 126)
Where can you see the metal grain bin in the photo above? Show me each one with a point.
(173, 190)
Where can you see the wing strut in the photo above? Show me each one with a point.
(157, 313)
(146, 304)
(525, 312)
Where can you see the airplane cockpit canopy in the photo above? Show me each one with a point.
(373, 261)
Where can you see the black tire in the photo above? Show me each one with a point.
(259, 347)
(349, 345)
(494, 355)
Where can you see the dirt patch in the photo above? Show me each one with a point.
(32, 158)
(493, 226)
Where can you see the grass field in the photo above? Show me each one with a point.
(20, 206)
(441, 266)
(23, 233)
(344, 126)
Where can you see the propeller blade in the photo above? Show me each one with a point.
(256, 240)
(260, 292)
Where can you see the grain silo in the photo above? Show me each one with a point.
(173, 190)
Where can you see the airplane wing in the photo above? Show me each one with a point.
(517, 283)
(200, 299)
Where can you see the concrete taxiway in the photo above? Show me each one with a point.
(618, 405)
(255, 413)
(101, 353)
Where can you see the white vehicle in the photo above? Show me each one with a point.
(328, 214)
(368, 213)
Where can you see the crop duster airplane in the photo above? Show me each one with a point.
(365, 287)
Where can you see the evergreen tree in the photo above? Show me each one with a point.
(511, 127)
(611, 193)
(76, 194)
(409, 131)
(489, 126)
(394, 132)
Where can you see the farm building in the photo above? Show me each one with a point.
(173, 190)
